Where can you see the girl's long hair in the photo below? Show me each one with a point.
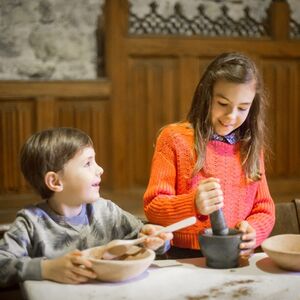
(237, 68)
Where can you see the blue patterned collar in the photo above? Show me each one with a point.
(231, 138)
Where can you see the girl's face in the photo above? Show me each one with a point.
(231, 103)
(81, 177)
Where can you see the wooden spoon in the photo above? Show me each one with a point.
(117, 248)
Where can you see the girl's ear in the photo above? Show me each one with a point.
(53, 182)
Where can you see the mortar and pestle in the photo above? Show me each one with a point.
(220, 244)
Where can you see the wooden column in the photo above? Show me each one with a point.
(116, 27)
(279, 19)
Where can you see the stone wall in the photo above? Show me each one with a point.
(48, 39)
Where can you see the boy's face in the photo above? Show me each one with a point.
(231, 103)
(81, 177)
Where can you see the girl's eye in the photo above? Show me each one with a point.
(88, 164)
(243, 108)
(222, 104)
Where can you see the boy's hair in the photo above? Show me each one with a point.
(50, 150)
(237, 68)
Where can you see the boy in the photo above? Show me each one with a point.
(45, 240)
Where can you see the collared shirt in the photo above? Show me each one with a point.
(231, 138)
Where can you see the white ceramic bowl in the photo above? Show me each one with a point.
(119, 270)
(284, 250)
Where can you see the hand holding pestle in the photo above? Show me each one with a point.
(218, 223)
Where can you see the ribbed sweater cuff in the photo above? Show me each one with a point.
(31, 270)
(186, 240)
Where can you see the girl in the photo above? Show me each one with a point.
(215, 159)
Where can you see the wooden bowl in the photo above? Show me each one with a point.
(127, 267)
(284, 250)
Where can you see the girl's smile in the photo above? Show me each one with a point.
(231, 103)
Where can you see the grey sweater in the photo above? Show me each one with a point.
(38, 233)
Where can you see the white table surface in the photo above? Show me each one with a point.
(190, 279)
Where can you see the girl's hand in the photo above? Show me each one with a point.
(156, 241)
(248, 243)
(209, 196)
(70, 268)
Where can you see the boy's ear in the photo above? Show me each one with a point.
(53, 182)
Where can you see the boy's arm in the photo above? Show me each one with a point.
(119, 224)
(124, 225)
(21, 259)
(15, 262)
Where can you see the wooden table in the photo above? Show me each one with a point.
(187, 279)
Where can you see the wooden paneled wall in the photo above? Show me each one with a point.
(149, 82)
(26, 107)
(158, 75)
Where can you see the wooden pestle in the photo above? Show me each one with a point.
(218, 223)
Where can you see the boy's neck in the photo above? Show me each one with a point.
(64, 209)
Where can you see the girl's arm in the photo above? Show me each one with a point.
(162, 204)
(262, 216)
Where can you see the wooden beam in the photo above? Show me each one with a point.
(24, 89)
(194, 46)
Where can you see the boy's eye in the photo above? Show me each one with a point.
(87, 164)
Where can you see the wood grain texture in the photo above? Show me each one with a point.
(149, 82)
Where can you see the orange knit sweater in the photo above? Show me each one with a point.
(170, 195)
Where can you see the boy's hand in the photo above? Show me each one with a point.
(209, 196)
(155, 242)
(70, 268)
(248, 243)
